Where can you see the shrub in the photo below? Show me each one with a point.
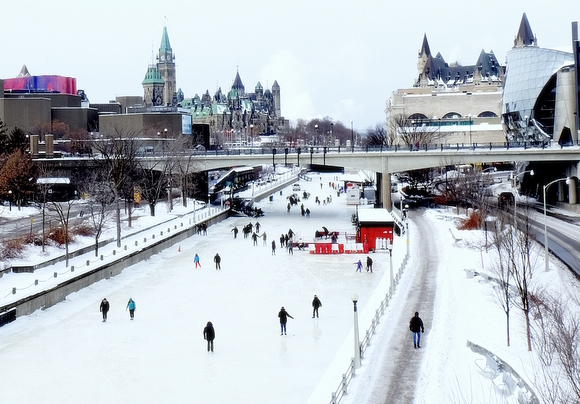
(11, 249)
(57, 236)
(82, 230)
(473, 222)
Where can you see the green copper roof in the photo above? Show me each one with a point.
(165, 45)
(153, 76)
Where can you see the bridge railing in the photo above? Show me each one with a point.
(317, 150)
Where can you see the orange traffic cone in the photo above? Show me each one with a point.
(179, 249)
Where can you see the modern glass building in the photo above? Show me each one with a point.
(540, 97)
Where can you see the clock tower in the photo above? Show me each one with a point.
(166, 68)
(153, 87)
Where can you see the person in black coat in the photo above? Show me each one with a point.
(369, 264)
(416, 327)
(104, 309)
(209, 335)
(217, 259)
(316, 303)
(283, 315)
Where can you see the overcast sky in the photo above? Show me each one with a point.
(341, 59)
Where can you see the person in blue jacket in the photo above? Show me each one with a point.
(196, 261)
(131, 306)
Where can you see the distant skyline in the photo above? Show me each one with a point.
(331, 58)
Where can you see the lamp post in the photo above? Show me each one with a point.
(316, 132)
(407, 226)
(10, 200)
(252, 136)
(390, 248)
(470, 142)
(354, 299)
(546, 252)
(351, 138)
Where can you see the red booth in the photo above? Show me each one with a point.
(376, 228)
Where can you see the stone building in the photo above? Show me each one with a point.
(460, 103)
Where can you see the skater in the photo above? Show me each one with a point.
(416, 327)
(209, 335)
(257, 227)
(205, 229)
(131, 306)
(358, 266)
(370, 264)
(273, 247)
(196, 261)
(254, 239)
(235, 230)
(316, 303)
(217, 259)
(281, 240)
(104, 309)
(265, 238)
(283, 314)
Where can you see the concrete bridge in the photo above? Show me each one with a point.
(383, 162)
(386, 162)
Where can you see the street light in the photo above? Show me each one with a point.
(354, 299)
(390, 248)
(546, 252)
(10, 200)
(252, 135)
(316, 131)
(351, 138)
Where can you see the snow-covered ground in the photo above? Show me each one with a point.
(66, 354)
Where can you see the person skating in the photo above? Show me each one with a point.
(235, 230)
(273, 247)
(370, 264)
(416, 327)
(196, 261)
(283, 315)
(358, 266)
(281, 240)
(217, 259)
(209, 335)
(264, 238)
(104, 309)
(257, 227)
(316, 303)
(254, 239)
(131, 306)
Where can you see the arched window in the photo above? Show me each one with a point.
(452, 115)
(418, 117)
(487, 114)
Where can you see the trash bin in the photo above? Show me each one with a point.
(271, 198)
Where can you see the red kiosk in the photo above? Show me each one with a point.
(375, 228)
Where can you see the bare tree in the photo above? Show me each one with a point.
(556, 340)
(379, 136)
(63, 210)
(413, 132)
(117, 151)
(99, 193)
(502, 241)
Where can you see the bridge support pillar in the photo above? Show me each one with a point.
(561, 192)
(572, 195)
(386, 191)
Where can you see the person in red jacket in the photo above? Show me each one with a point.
(416, 327)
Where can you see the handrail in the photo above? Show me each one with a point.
(341, 390)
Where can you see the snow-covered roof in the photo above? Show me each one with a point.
(374, 215)
(53, 180)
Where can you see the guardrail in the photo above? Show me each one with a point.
(347, 377)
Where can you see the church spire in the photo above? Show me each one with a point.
(165, 45)
(425, 47)
(525, 36)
